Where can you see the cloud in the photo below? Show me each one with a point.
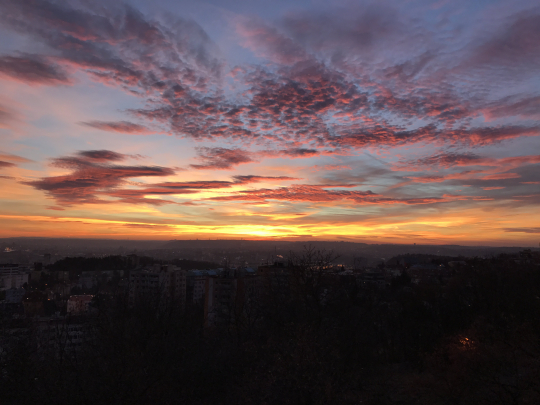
(118, 45)
(322, 94)
(102, 155)
(6, 117)
(33, 69)
(332, 82)
(522, 230)
(445, 160)
(308, 193)
(524, 107)
(325, 194)
(14, 158)
(381, 136)
(135, 196)
(123, 127)
(94, 179)
(466, 175)
(8, 160)
(452, 159)
(256, 179)
(344, 32)
(220, 158)
(300, 152)
(501, 176)
(148, 226)
(266, 41)
(515, 46)
(55, 208)
(91, 175)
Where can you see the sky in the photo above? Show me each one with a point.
(382, 122)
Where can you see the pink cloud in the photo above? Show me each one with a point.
(32, 69)
(221, 158)
(124, 127)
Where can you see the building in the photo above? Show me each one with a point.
(78, 304)
(33, 304)
(372, 277)
(178, 285)
(15, 295)
(13, 276)
(196, 284)
(230, 297)
(159, 284)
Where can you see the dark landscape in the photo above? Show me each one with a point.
(420, 327)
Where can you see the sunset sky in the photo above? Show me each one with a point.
(381, 122)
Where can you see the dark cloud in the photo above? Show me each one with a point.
(124, 127)
(311, 193)
(342, 32)
(452, 159)
(135, 196)
(522, 230)
(516, 46)
(268, 42)
(6, 164)
(256, 179)
(327, 194)
(385, 136)
(221, 158)
(339, 81)
(118, 44)
(92, 176)
(524, 107)
(448, 160)
(33, 70)
(95, 180)
(102, 155)
(300, 152)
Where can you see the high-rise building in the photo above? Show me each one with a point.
(159, 285)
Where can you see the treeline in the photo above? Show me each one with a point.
(118, 262)
(186, 264)
(309, 339)
(97, 263)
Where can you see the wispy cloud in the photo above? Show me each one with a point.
(124, 127)
(33, 69)
(221, 158)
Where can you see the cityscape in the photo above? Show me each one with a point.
(189, 321)
(270, 202)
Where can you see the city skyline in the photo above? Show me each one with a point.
(381, 122)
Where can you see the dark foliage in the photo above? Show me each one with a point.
(92, 263)
(194, 264)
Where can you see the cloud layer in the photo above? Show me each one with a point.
(372, 110)
(318, 90)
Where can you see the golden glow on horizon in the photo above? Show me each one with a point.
(424, 230)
